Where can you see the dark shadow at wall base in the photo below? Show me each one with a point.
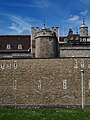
(43, 107)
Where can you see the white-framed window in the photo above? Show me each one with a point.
(64, 84)
(19, 46)
(76, 64)
(81, 39)
(82, 63)
(88, 64)
(39, 85)
(65, 39)
(15, 64)
(15, 84)
(2, 65)
(84, 39)
(9, 65)
(88, 39)
(77, 38)
(89, 84)
(8, 46)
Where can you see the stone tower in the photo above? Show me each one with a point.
(83, 29)
(45, 42)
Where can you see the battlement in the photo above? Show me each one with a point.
(55, 29)
(45, 33)
(44, 42)
(52, 29)
(35, 29)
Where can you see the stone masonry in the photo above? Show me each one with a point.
(44, 82)
(74, 52)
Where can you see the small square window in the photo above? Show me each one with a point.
(19, 46)
(8, 46)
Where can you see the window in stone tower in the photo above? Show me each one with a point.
(2, 65)
(50, 39)
(64, 84)
(8, 46)
(33, 44)
(83, 32)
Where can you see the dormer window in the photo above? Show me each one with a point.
(65, 39)
(77, 38)
(84, 39)
(20, 46)
(8, 46)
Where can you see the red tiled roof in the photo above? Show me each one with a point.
(14, 41)
(84, 36)
(61, 39)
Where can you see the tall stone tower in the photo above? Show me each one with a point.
(45, 42)
(83, 29)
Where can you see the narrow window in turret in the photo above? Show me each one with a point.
(15, 65)
(2, 65)
(64, 84)
(82, 63)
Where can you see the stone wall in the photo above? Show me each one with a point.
(74, 51)
(44, 82)
(3, 55)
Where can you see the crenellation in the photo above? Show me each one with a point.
(37, 29)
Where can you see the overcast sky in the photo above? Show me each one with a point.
(17, 16)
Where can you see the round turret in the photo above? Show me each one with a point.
(83, 29)
(46, 43)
